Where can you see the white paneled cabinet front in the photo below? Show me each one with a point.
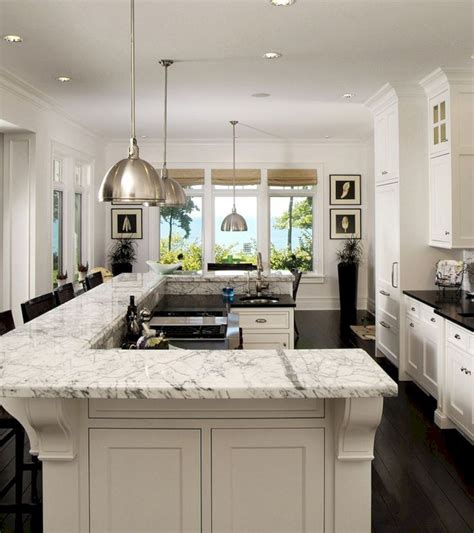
(440, 201)
(268, 480)
(266, 328)
(460, 388)
(386, 145)
(144, 480)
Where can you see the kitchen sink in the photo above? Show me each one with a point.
(263, 300)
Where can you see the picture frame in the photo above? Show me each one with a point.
(345, 189)
(345, 223)
(127, 223)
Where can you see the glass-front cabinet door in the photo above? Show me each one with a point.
(439, 124)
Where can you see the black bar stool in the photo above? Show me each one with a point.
(6, 322)
(37, 306)
(296, 283)
(93, 280)
(64, 293)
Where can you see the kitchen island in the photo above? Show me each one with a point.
(186, 440)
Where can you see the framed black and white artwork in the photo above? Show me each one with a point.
(344, 189)
(127, 223)
(345, 223)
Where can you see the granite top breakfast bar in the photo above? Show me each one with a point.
(202, 436)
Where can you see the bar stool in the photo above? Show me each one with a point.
(6, 322)
(93, 280)
(296, 283)
(64, 293)
(37, 306)
(15, 431)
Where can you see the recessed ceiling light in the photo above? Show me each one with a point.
(348, 96)
(282, 2)
(261, 95)
(12, 38)
(271, 55)
(327, 136)
(63, 79)
(144, 136)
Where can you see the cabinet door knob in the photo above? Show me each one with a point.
(261, 320)
(412, 325)
(447, 233)
(457, 336)
(468, 372)
(384, 172)
(433, 320)
(413, 309)
(284, 344)
(384, 324)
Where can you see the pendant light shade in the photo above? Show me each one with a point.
(132, 180)
(174, 195)
(234, 221)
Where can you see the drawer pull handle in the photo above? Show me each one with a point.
(457, 336)
(433, 319)
(384, 293)
(284, 344)
(412, 325)
(447, 233)
(413, 308)
(384, 172)
(466, 371)
(261, 320)
(384, 324)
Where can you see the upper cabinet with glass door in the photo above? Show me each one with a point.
(439, 117)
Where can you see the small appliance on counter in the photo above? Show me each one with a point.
(449, 277)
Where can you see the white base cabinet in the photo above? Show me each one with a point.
(264, 328)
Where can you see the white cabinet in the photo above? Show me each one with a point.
(440, 201)
(386, 145)
(450, 97)
(423, 338)
(460, 388)
(268, 480)
(127, 469)
(264, 328)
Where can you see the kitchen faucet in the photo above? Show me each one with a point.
(259, 284)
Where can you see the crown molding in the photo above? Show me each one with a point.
(22, 89)
(444, 76)
(227, 142)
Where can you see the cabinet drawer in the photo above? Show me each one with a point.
(458, 336)
(265, 341)
(264, 320)
(429, 317)
(413, 307)
(387, 337)
(387, 301)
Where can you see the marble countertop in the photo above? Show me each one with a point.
(230, 275)
(447, 307)
(52, 356)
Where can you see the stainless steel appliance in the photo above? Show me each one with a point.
(205, 330)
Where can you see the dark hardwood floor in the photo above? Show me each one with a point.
(422, 477)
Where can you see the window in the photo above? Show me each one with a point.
(58, 258)
(292, 218)
(180, 232)
(235, 246)
(181, 227)
(71, 179)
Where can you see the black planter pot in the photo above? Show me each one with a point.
(348, 277)
(120, 268)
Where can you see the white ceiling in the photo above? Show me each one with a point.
(330, 47)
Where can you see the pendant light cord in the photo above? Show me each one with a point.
(234, 123)
(133, 151)
(165, 118)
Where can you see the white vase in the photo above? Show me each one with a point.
(82, 276)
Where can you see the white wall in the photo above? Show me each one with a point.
(28, 109)
(333, 157)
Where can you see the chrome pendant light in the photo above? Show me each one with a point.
(173, 192)
(234, 221)
(132, 180)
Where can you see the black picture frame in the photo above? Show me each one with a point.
(120, 218)
(345, 189)
(354, 221)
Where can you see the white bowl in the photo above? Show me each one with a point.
(160, 268)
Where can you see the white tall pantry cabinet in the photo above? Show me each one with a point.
(403, 257)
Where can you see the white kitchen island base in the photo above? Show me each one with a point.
(165, 466)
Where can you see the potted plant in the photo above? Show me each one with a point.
(61, 278)
(349, 256)
(82, 271)
(122, 255)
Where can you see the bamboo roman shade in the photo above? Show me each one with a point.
(243, 176)
(187, 177)
(288, 177)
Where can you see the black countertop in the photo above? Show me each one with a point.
(213, 302)
(447, 307)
